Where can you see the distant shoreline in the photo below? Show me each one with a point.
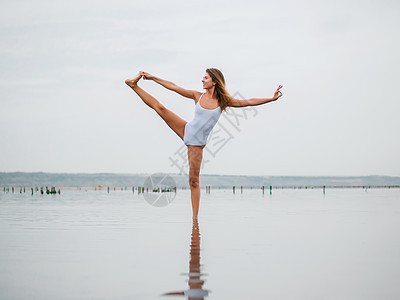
(95, 180)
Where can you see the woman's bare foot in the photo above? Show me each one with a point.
(133, 82)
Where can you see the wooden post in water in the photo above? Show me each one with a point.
(241, 189)
(323, 189)
(270, 189)
(133, 189)
(233, 189)
(263, 189)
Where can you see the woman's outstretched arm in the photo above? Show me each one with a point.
(256, 101)
(171, 86)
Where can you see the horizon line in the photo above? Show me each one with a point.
(177, 174)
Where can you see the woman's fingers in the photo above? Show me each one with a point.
(145, 75)
(279, 93)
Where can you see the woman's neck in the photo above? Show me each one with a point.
(210, 93)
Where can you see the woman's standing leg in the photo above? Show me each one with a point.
(176, 123)
(195, 155)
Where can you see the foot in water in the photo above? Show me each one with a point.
(133, 82)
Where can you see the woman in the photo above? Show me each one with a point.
(194, 133)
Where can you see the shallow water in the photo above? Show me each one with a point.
(293, 244)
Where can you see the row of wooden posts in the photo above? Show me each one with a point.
(141, 189)
(208, 189)
(42, 190)
(53, 189)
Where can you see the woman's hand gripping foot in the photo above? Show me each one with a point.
(133, 82)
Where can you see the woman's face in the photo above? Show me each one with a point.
(207, 81)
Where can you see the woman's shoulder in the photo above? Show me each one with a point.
(197, 96)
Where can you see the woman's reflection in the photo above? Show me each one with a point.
(195, 282)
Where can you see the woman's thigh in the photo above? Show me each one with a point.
(176, 123)
(195, 156)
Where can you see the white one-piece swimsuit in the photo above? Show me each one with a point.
(197, 130)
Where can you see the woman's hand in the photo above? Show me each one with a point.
(146, 76)
(277, 94)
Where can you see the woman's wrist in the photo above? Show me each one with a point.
(156, 79)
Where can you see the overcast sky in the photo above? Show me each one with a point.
(64, 106)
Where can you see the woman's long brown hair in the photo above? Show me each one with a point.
(224, 99)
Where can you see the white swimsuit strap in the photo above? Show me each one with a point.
(200, 98)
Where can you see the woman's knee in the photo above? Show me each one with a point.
(194, 181)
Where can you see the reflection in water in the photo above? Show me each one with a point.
(195, 282)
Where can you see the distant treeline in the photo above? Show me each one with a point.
(22, 179)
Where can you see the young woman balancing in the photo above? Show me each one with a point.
(194, 134)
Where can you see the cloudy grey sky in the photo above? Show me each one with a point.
(64, 106)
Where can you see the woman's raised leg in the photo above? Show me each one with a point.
(195, 155)
(176, 123)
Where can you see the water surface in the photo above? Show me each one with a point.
(293, 244)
